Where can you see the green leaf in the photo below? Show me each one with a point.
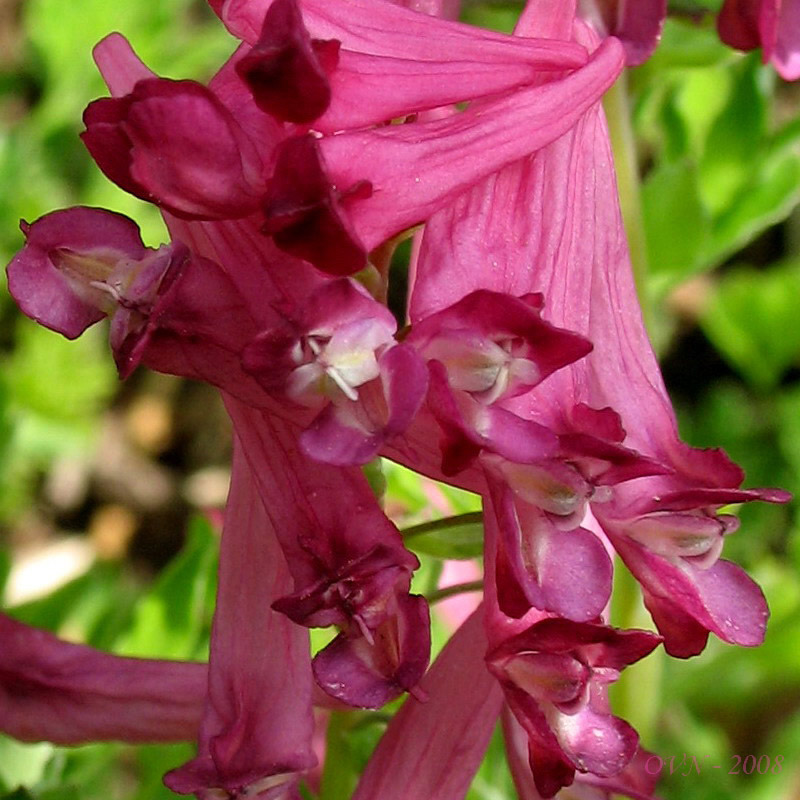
(59, 380)
(459, 537)
(735, 137)
(684, 44)
(22, 764)
(671, 202)
(752, 321)
(80, 606)
(18, 794)
(172, 620)
(774, 190)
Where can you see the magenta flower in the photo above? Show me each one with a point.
(348, 562)
(339, 357)
(634, 781)
(257, 725)
(525, 374)
(359, 188)
(579, 262)
(432, 749)
(82, 264)
(55, 691)
(176, 144)
(772, 25)
(555, 675)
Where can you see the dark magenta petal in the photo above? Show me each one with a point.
(370, 675)
(108, 144)
(284, 70)
(53, 297)
(636, 23)
(738, 23)
(145, 299)
(352, 432)
(339, 328)
(609, 647)
(684, 636)
(468, 427)
(551, 768)
(597, 743)
(605, 463)
(360, 586)
(175, 144)
(305, 215)
(404, 379)
(500, 318)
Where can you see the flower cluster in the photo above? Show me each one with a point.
(524, 374)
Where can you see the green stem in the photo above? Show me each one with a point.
(473, 517)
(450, 591)
(636, 696)
(338, 777)
(618, 112)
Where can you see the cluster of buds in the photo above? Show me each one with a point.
(524, 373)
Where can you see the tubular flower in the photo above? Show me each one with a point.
(772, 25)
(525, 374)
(634, 781)
(340, 358)
(255, 737)
(348, 562)
(56, 691)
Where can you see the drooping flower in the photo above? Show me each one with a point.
(257, 724)
(482, 350)
(348, 562)
(635, 781)
(338, 356)
(499, 236)
(80, 265)
(555, 675)
(772, 25)
(360, 188)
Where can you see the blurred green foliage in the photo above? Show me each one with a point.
(719, 147)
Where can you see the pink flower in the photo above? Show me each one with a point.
(338, 356)
(635, 781)
(565, 240)
(55, 691)
(82, 264)
(555, 675)
(432, 749)
(257, 724)
(772, 25)
(348, 562)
